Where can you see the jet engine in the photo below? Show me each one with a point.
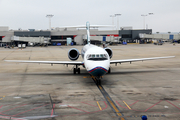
(109, 51)
(73, 54)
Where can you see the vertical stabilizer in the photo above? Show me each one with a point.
(88, 33)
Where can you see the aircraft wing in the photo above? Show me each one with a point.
(47, 62)
(140, 59)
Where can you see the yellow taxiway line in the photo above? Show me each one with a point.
(127, 105)
(2, 98)
(99, 105)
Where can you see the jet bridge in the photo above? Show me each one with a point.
(160, 36)
(31, 40)
(107, 39)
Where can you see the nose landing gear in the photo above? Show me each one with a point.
(98, 81)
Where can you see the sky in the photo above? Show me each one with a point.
(31, 14)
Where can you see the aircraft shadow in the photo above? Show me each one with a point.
(84, 73)
(135, 71)
(88, 81)
(60, 74)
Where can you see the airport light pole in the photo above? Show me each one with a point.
(117, 20)
(144, 15)
(49, 16)
(112, 19)
(150, 13)
(144, 24)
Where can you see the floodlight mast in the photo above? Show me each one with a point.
(144, 24)
(112, 19)
(117, 20)
(144, 15)
(49, 16)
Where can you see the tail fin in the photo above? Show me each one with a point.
(88, 33)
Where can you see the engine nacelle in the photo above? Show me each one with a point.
(73, 54)
(109, 51)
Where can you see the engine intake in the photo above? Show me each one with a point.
(73, 54)
(109, 51)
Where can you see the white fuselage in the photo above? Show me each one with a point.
(96, 60)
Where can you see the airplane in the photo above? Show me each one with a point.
(96, 59)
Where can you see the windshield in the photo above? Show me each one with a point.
(97, 57)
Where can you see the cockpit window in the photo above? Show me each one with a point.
(97, 57)
(101, 55)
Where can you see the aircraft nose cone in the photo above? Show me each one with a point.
(98, 71)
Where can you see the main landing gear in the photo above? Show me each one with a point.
(76, 70)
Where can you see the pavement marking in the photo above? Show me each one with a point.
(166, 107)
(126, 105)
(52, 112)
(14, 108)
(78, 109)
(115, 108)
(89, 104)
(172, 104)
(100, 87)
(29, 110)
(86, 77)
(109, 100)
(153, 105)
(99, 105)
(2, 97)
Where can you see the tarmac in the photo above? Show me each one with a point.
(42, 91)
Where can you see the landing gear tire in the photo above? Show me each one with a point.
(78, 70)
(74, 71)
(109, 71)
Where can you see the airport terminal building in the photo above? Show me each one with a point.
(55, 36)
(78, 36)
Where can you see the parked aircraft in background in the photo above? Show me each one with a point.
(96, 59)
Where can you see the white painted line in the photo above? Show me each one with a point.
(166, 107)
(17, 97)
(63, 105)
